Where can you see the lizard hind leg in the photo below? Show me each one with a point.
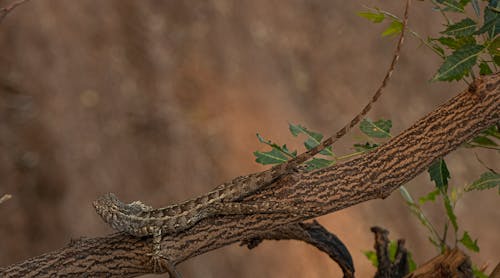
(160, 262)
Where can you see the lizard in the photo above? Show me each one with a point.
(138, 219)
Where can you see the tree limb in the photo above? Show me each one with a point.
(373, 175)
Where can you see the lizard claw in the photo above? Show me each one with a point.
(161, 263)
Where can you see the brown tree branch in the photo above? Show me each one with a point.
(453, 263)
(373, 175)
(315, 235)
(386, 267)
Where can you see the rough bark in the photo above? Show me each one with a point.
(454, 263)
(372, 175)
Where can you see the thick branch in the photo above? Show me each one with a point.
(373, 175)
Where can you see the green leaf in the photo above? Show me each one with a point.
(491, 20)
(486, 181)
(393, 246)
(431, 196)
(464, 28)
(394, 28)
(313, 140)
(282, 149)
(372, 257)
(378, 129)
(497, 60)
(373, 17)
(439, 173)
(318, 163)
(365, 147)
(492, 131)
(478, 273)
(466, 241)
(450, 213)
(411, 263)
(452, 5)
(272, 157)
(456, 43)
(459, 63)
(484, 69)
(494, 47)
(484, 141)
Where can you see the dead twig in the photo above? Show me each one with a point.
(6, 10)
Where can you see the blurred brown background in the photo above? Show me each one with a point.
(161, 100)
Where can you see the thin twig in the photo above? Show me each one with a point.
(6, 10)
(5, 198)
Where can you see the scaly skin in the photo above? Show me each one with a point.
(138, 219)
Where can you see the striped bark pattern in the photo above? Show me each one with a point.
(370, 176)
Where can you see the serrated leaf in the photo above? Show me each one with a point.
(459, 63)
(452, 5)
(484, 141)
(318, 163)
(492, 131)
(494, 47)
(464, 28)
(373, 17)
(456, 43)
(378, 129)
(271, 157)
(486, 181)
(467, 241)
(450, 213)
(431, 196)
(282, 149)
(372, 257)
(394, 28)
(365, 147)
(491, 20)
(313, 140)
(484, 69)
(439, 173)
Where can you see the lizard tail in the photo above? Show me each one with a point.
(330, 140)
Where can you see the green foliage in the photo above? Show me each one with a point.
(459, 63)
(394, 28)
(467, 241)
(365, 147)
(431, 196)
(372, 257)
(478, 273)
(377, 129)
(392, 248)
(439, 173)
(453, 5)
(318, 163)
(277, 154)
(464, 28)
(486, 139)
(313, 138)
(273, 156)
(450, 213)
(375, 17)
(486, 181)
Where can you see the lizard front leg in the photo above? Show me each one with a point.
(159, 261)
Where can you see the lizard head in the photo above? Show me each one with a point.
(116, 213)
(107, 206)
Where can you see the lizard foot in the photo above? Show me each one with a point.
(161, 263)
